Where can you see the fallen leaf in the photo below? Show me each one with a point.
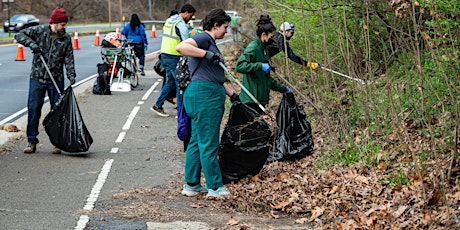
(232, 221)
(362, 179)
(434, 200)
(317, 212)
(382, 165)
(198, 206)
(335, 189)
(457, 196)
(370, 211)
(400, 211)
(274, 214)
(282, 177)
(417, 180)
(282, 204)
(301, 220)
(255, 178)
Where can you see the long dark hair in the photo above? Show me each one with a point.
(135, 22)
(265, 25)
(215, 16)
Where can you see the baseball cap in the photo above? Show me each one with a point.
(287, 26)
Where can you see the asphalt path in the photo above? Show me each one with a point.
(14, 75)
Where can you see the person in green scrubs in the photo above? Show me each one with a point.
(204, 100)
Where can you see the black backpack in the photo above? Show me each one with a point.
(183, 76)
(102, 83)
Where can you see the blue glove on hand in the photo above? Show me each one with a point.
(146, 47)
(288, 90)
(266, 67)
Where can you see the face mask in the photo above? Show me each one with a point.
(290, 35)
(269, 42)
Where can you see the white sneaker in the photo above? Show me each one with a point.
(220, 193)
(193, 190)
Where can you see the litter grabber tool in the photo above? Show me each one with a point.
(242, 87)
(51, 76)
(343, 75)
(297, 91)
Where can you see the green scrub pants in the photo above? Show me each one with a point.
(204, 103)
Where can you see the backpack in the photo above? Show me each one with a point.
(102, 83)
(183, 76)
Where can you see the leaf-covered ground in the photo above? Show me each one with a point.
(307, 194)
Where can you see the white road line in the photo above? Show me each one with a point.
(120, 138)
(147, 94)
(130, 118)
(94, 195)
(12, 116)
(82, 222)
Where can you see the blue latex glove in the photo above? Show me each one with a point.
(266, 67)
(146, 47)
(288, 90)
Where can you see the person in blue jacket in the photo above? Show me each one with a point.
(135, 31)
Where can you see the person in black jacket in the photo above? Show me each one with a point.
(287, 31)
(54, 44)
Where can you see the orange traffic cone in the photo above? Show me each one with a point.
(75, 41)
(97, 39)
(20, 53)
(117, 31)
(154, 34)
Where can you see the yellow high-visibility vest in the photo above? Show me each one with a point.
(170, 38)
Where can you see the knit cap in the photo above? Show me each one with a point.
(59, 15)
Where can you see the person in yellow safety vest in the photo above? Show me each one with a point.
(175, 30)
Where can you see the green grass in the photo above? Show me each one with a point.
(352, 155)
(395, 179)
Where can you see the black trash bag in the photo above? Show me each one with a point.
(159, 68)
(293, 139)
(244, 145)
(102, 83)
(65, 127)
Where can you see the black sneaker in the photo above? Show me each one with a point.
(30, 148)
(142, 72)
(159, 111)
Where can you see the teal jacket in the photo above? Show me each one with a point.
(256, 81)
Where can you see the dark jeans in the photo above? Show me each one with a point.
(140, 53)
(169, 62)
(37, 93)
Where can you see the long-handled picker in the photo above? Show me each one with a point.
(291, 86)
(343, 75)
(242, 87)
